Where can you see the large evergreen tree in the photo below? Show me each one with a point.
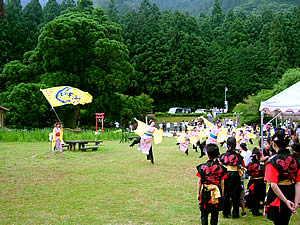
(51, 11)
(277, 50)
(32, 18)
(112, 12)
(67, 4)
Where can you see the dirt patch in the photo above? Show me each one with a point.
(56, 155)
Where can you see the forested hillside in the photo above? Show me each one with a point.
(194, 7)
(147, 58)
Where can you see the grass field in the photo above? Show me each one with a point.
(115, 185)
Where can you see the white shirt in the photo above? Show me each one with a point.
(247, 156)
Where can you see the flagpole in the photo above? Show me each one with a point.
(56, 114)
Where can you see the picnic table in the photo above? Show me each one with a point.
(81, 145)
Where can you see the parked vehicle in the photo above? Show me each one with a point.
(175, 110)
(201, 111)
(188, 110)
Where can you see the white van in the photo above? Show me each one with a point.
(201, 111)
(175, 110)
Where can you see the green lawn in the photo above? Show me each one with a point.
(115, 185)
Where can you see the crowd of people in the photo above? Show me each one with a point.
(221, 179)
(220, 185)
(181, 127)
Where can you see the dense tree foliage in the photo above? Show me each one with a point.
(184, 61)
(50, 11)
(147, 58)
(28, 107)
(194, 7)
(80, 48)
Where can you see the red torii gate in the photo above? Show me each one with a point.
(99, 116)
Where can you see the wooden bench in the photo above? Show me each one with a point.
(65, 145)
(94, 148)
(96, 142)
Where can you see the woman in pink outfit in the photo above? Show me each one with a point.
(213, 136)
(146, 141)
(185, 146)
(57, 137)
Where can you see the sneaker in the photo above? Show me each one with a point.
(257, 214)
(226, 216)
(244, 214)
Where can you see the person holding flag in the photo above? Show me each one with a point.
(57, 137)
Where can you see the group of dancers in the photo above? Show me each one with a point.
(207, 133)
(220, 179)
(220, 182)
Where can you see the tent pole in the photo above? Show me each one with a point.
(274, 118)
(262, 128)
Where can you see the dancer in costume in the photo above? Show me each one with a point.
(184, 142)
(256, 185)
(233, 162)
(57, 137)
(214, 131)
(136, 140)
(146, 133)
(267, 150)
(246, 154)
(210, 187)
(241, 139)
(296, 151)
(195, 140)
(213, 135)
(283, 172)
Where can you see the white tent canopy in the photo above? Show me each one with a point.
(286, 102)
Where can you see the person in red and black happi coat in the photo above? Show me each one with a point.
(256, 185)
(233, 162)
(283, 172)
(211, 180)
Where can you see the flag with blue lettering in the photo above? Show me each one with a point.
(58, 96)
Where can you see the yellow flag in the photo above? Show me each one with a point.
(58, 96)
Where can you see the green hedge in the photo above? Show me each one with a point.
(165, 114)
(41, 135)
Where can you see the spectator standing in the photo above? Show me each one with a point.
(175, 126)
(168, 126)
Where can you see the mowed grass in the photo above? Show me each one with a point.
(114, 185)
